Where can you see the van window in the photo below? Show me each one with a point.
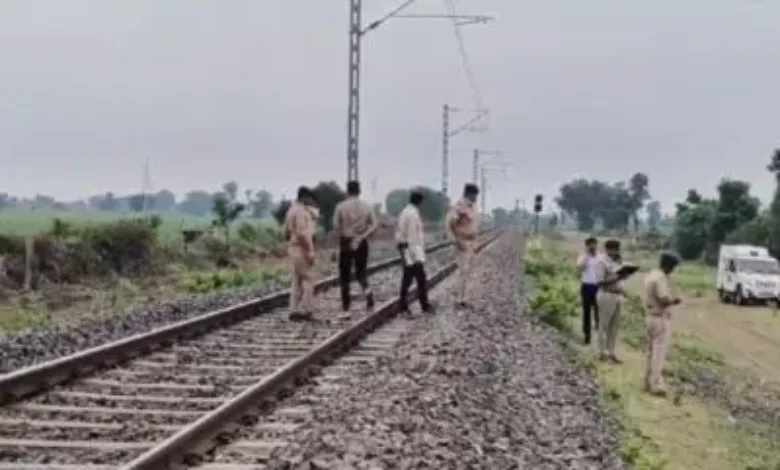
(731, 266)
(759, 266)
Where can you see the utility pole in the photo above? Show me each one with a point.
(475, 166)
(483, 192)
(482, 167)
(356, 33)
(146, 186)
(353, 112)
(448, 133)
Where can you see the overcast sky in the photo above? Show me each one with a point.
(255, 90)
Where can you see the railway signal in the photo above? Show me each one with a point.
(537, 211)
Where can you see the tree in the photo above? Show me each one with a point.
(581, 199)
(774, 208)
(434, 205)
(654, 215)
(500, 216)
(226, 210)
(616, 206)
(5, 200)
(396, 200)
(136, 202)
(735, 207)
(639, 193)
(197, 203)
(280, 211)
(328, 195)
(261, 203)
(108, 202)
(692, 227)
(163, 200)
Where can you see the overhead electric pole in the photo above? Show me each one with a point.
(499, 166)
(356, 33)
(353, 111)
(448, 133)
(476, 161)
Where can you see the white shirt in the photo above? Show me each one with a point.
(411, 231)
(590, 273)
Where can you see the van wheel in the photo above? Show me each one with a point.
(739, 299)
(723, 296)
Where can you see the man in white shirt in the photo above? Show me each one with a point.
(410, 236)
(587, 265)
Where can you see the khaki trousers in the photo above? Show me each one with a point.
(659, 333)
(302, 286)
(610, 309)
(465, 261)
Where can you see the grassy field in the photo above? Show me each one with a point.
(723, 409)
(17, 222)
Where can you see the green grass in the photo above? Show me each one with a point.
(678, 433)
(18, 222)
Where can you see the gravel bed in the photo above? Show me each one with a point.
(487, 388)
(54, 341)
(137, 417)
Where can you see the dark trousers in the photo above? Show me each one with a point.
(350, 259)
(588, 294)
(417, 273)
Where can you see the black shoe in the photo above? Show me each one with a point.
(587, 340)
(429, 309)
(370, 300)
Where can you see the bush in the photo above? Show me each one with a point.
(125, 246)
(555, 297)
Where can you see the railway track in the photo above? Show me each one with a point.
(157, 400)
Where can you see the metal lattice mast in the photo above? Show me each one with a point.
(475, 167)
(445, 150)
(356, 33)
(353, 111)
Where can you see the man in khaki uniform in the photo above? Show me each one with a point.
(300, 225)
(609, 300)
(462, 229)
(658, 300)
(354, 221)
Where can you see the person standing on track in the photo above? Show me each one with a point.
(354, 221)
(609, 300)
(658, 300)
(462, 229)
(410, 236)
(587, 264)
(300, 225)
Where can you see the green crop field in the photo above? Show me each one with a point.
(18, 222)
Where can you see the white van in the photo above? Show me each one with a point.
(747, 273)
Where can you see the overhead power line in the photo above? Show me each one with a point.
(468, 69)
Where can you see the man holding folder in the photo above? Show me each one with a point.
(410, 236)
(610, 275)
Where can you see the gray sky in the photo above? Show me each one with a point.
(255, 90)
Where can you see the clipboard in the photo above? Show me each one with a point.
(626, 270)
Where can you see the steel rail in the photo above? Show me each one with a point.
(199, 436)
(38, 377)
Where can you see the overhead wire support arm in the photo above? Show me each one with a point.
(356, 33)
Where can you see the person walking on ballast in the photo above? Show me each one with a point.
(410, 236)
(462, 230)
(354, 221)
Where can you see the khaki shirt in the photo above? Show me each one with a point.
(657, 293)
(300, 225)
(462, 221)
(354, 218)
(606, 268)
